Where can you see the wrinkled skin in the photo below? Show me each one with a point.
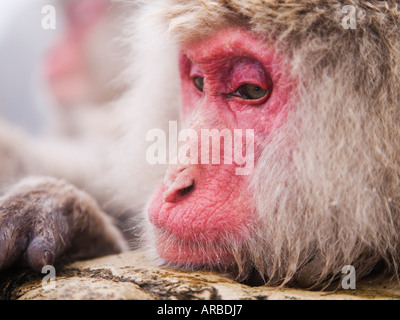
(195, 227)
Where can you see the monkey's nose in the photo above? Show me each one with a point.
(180, 183)
(172, 194)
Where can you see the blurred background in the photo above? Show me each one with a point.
(57, 57)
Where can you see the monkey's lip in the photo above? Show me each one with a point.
(191, 254)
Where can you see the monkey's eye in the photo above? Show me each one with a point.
(250, 92)
(199, 83)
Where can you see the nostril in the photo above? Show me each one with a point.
(180, 183)
(185, 191)
(174, 193)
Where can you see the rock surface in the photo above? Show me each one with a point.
(132, 276)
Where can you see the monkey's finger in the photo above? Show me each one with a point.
(11, 248)
(40, 253)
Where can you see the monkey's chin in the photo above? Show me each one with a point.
(192, 255)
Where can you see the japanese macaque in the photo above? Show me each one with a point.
(82, 86)
(323, 103)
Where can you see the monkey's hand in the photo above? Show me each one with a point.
(43, 219)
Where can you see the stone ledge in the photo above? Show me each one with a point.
(131, 276)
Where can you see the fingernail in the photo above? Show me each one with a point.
(48, 257)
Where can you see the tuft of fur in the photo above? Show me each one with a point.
(327, 186)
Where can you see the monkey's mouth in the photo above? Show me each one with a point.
(191, 254)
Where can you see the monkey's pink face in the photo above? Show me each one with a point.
(232, 81)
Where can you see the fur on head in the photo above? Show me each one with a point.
(327, 186)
